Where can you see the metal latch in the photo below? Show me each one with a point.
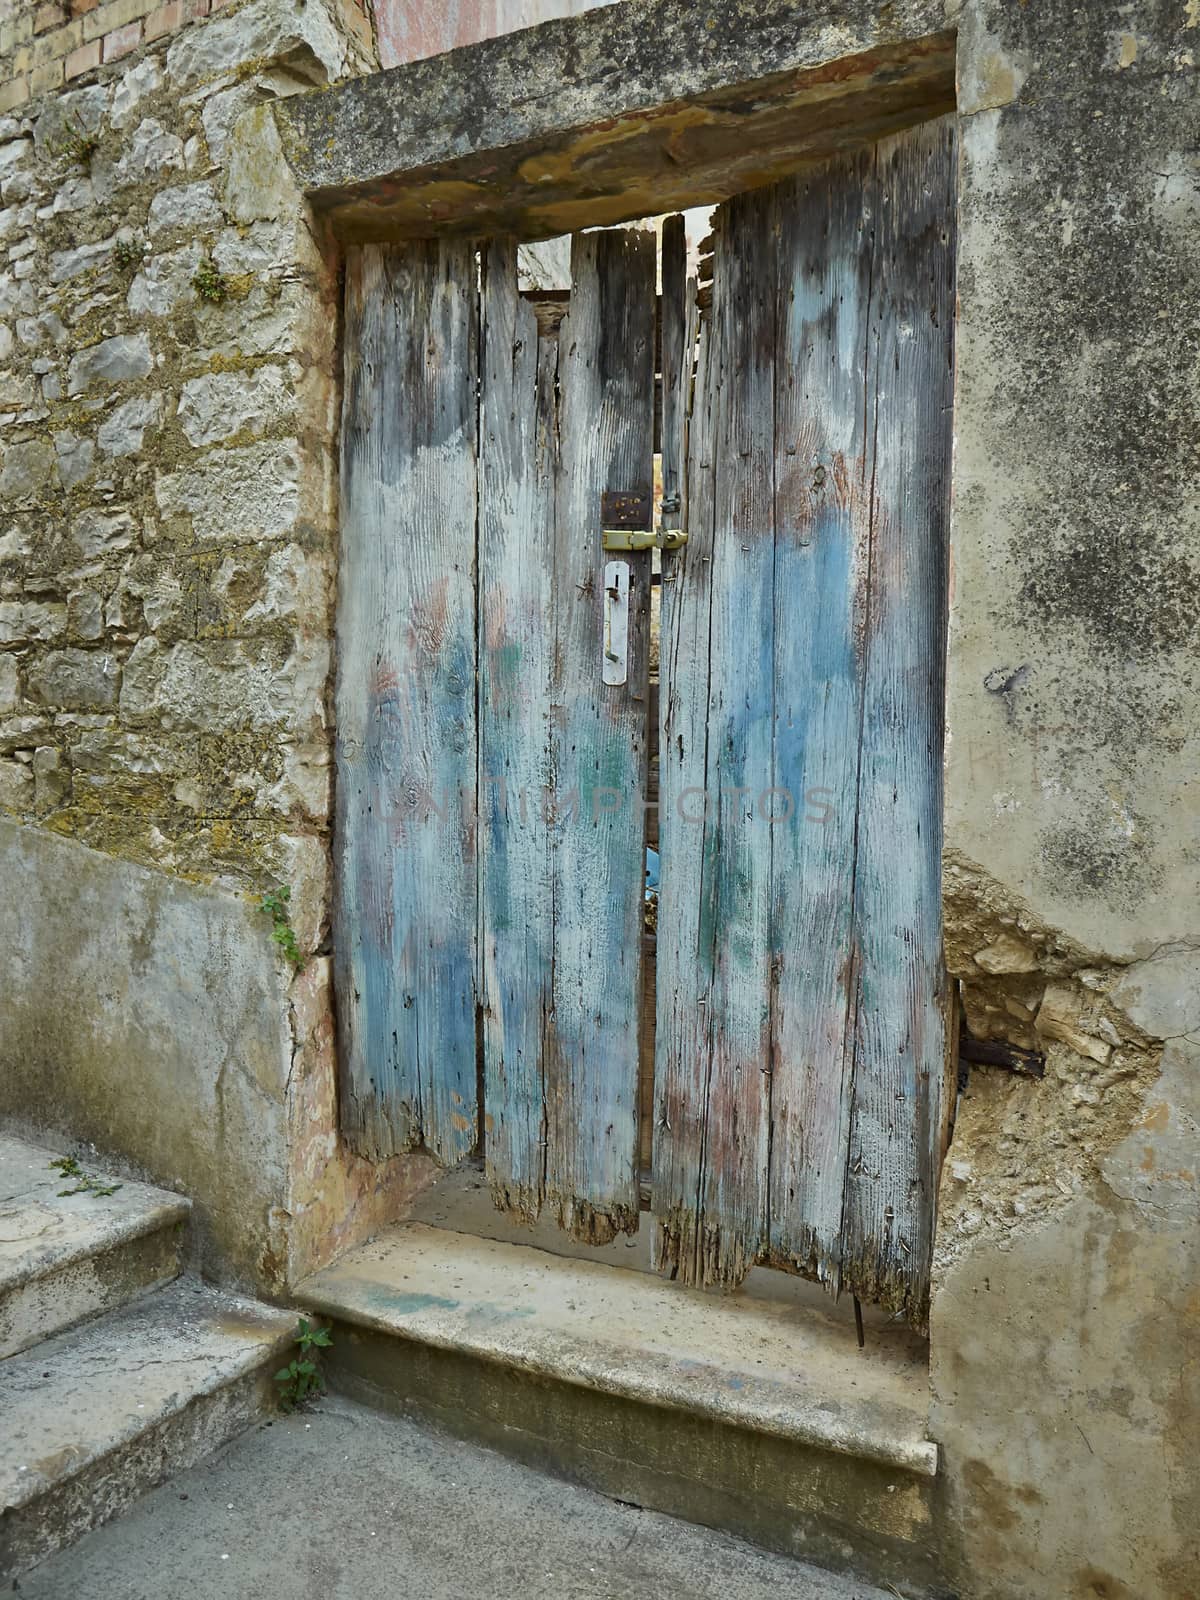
(630, 538)
(626, 520)
(615, 667)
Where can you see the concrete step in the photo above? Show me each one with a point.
(726, 1410)
(64, 1258)
(91, 1419)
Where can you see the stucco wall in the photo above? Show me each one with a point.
(1066, 1366)
(409, 30)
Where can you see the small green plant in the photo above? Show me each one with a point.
(87, 1184)
(77, 143)
(275, 904)
(127, 253)
(301, 1380)
(208, 282)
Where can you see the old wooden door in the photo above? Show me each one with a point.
(490, 782)
(493, 730)
(802, 1038)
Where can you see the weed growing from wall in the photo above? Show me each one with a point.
(275, 904)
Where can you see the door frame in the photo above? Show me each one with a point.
(717, 103)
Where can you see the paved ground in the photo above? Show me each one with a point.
(342, 1504)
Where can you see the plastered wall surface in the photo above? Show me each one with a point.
(408, 30)
(167, 480)
(1065, 1355)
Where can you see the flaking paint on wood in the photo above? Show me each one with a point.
(902, 1080)
(823, 479)
(405, 948)
(518, 466)
(565, 415)
(606, 431)
(802, 657)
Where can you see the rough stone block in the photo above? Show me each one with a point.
(152, 151)
(31, 621)
(220, 404)
(74, 456)
(9, 683)
(223, 686)
(262, 31)
(85, 680)
(123, 432)
(164, 281)
(94, 534)
(51, 778)
(80, 110)
(247, 493)
(85, 614)
(16, 786)
(132, 89)
(28, 469)
(193, 206)
(120, 359)
(258, 182)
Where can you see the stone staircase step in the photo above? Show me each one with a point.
(725, 1410)
(94, 1417)
(64, 1258)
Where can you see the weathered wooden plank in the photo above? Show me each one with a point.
(677, 342)
(727, 1145)
(406, 749)
(823, 472)
(676, 365)
(682, 1042)
(901, 1094)
(606, 390)
(837, 438)
(518, 444)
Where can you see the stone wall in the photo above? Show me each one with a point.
(168, 421)
(47, 43)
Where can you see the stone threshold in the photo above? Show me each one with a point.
(734, 1360)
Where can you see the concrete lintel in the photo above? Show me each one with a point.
(625, 111)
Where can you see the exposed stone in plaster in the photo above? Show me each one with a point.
(303, 37)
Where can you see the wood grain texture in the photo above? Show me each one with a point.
(606, 388)
(682, 1036)
(823, 472)
(518, 458)
(405, 910)
(681, 1030)
(564, 420)
(902, 1085)
(677, 350)
(802, 657)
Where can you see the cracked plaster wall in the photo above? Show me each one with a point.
(1064, 1345)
